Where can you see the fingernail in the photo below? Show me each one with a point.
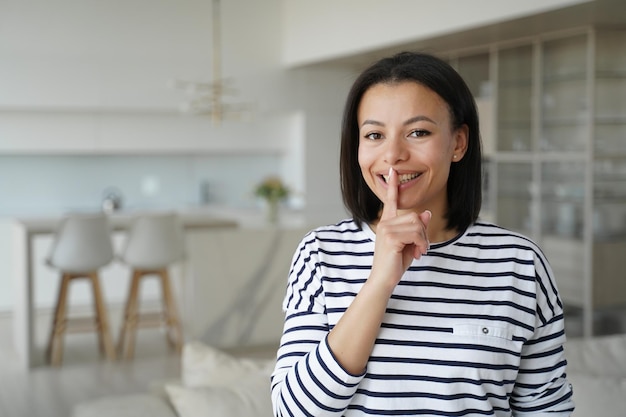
(390, 171)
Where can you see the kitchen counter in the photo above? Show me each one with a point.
(26, 257)
(215, 236)
(190, 219)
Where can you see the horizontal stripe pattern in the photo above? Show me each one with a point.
(474, 328)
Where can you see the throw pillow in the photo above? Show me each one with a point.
(249, 397)
(596, 396)
(204, 365)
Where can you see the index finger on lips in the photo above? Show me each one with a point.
(390, 207)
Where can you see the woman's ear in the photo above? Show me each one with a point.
(461, 140)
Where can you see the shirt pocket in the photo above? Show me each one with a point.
(485, 331)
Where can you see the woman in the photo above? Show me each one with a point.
(414, 306)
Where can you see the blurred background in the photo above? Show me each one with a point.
(147, 100)
(188, 105)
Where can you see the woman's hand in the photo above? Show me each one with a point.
(399, 238)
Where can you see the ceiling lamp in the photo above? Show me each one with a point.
(207, 98)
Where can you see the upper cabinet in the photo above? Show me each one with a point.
(555, 166)
(51, 132)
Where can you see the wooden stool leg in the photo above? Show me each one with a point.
(102, 321)
(172, 322)
(131, 311)
(54, 352)
(53, 325)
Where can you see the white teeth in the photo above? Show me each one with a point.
(403, 178)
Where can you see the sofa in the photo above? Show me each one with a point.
(597, 372)
(216, 383)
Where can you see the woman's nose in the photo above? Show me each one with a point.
(395, 150)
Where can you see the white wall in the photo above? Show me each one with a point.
(69, 53)
(90, 77)
(122, 54)
(319, 30)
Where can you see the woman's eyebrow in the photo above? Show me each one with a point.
(407, 122)
(419, 119)
(372, 122)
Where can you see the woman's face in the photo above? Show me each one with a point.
(407, 127)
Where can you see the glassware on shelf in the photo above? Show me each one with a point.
(564, 102)
(562, 199)
(609, 216)
(514, 196)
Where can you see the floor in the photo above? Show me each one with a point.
(52, 392)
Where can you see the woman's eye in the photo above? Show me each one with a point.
(373, 136)
(419, 133)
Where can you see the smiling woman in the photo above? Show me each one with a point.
(415, 306)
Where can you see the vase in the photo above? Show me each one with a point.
(272, 211)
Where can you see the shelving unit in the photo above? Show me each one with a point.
(556, 170)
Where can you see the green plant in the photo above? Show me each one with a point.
(272, 189)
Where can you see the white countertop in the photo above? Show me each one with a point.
(198, 217)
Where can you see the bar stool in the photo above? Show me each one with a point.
(81, 246)
(155, 242)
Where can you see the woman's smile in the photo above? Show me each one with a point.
(402, 178)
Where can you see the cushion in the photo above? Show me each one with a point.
(203, 365)
(136, 405)
(598, 396)
(215, 383)
(249, 397)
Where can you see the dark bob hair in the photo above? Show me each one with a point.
(465, 179)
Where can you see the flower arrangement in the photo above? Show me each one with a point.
(272, 189)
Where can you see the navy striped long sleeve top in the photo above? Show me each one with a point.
(474, 328)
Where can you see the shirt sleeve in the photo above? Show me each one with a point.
(307, 379)
(541, 388)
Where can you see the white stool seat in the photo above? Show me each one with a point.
(155, 242)
(82, 243)
(81, 246)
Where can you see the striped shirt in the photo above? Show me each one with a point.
(474, 328)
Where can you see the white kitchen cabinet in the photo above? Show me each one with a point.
(237, 282)
(558, 170)
(110, 131)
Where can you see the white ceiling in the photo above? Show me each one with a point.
(597, 12)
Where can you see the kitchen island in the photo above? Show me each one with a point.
(29, 252)
(222, 299)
